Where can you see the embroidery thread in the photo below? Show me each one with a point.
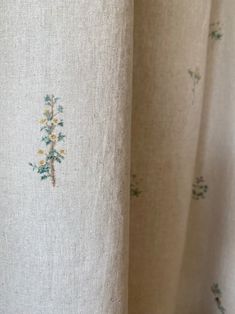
(51, 123)
(195, 76)
(200, 188)
(215, 31)
(134, 187)
(215, 289)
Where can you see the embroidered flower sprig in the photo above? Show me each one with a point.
(200, 188)
(215, 31)
(215, 289)
(195, 76)
(51, 124)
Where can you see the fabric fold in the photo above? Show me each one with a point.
(65, 97)
(167, 108)
(207, 274)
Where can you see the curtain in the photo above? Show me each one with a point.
(117, 157)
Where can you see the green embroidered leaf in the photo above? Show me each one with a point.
(44, 177)
(190, 73)
(61, 123)
(47, 98)
(215, 289)
(43, 170)
(46, 140)
(60, 109)
(33, 165)
(216, 35)
(61, 137)
(48, 130)
(134, 189)
(58, 160)
(60, 156)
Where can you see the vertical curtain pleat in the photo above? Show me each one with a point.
(207, 277)
(64, 231)
(170, 46)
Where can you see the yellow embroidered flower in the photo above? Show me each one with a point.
(62, 152)
(42, 163)
(53, 137)
(42, 121)
(55, 121)
(41, 152)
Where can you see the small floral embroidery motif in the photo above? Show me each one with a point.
(218, 295)
(199, 188)
(50, 123)
(195, 76)
(134, 187)
(215, 31)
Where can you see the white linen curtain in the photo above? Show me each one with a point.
(117, 156)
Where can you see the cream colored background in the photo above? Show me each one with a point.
(179, 247)
(64, 250)
(209, 251)
(67, 250)
(165, 132)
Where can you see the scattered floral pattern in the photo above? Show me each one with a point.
(51, 123)
(134, 186)
(195, 76)
(218, 296)
(200, 188)
(215, 31)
